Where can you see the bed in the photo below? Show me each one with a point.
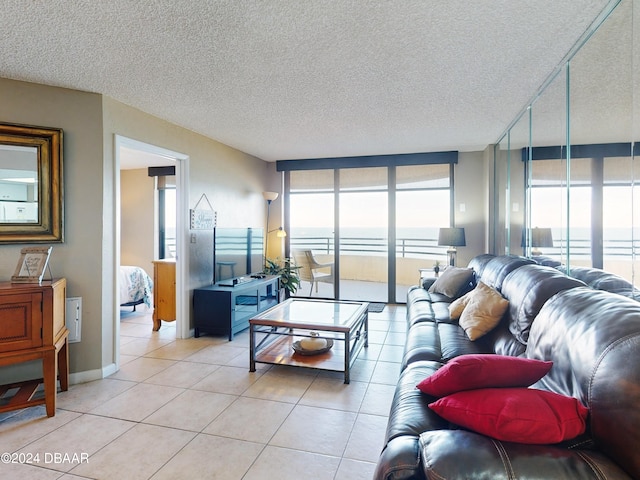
(136, 287)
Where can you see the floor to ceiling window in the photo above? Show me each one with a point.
(363, 238)
(368, 228)
(166, 186)
(311, 228)
(601, 200)
(418, 187)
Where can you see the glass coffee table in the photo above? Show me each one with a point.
(275, 332)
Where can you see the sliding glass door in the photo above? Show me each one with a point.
(363, 233)
(363, 238)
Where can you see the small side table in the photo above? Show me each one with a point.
(426, 273)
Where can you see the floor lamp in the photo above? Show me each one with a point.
(269, 197)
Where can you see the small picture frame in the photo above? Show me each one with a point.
(32, 264)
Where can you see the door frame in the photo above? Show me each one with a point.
(182, 202)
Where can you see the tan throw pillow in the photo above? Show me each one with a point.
(452, 280)
(457, 306)
(483, 311)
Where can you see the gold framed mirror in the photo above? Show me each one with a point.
(31, 194)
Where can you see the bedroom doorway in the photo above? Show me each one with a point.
(141, 216)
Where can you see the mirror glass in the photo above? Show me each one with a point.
(18, 184)
(31, 207)
(548, 168)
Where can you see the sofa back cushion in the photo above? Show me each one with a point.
(527, 289)
(601, 280)
(593, 339)
(497, 269)
(478, 263)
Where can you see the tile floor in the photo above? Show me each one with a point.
(191, 409)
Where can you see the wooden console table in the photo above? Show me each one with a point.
(32, 327)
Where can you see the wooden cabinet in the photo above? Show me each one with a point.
(227, 310)
(32, 327)
(164, 292)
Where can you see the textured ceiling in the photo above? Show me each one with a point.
(283, 79)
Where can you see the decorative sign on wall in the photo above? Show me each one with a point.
(203, 219)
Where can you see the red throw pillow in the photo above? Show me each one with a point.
(468, 372)
(522, 415)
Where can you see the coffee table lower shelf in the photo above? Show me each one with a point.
(280, 352)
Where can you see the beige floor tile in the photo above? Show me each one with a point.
(372, 352)
(131, 329)
(135, 455)
(177, 350)
(231, 380)
(211, 457)
(143, 314)
(218, 354)
(355, 470)
(378, 325)
(281, 388)
(191, 410)
(376, 337)
(138, 402)
(334, 393)
(141, 368)
(362, 370)
(386, 372)
(76, 441)
(21, 471)
(396, 338)
(367, 437)
(30, 424)
(250, 419)
(391, 353)
(317, 430)
(124, 359)
(84, 397)
(284, 464)
(377, 400)
(197, 396)
(182, 374)
(124, 340)
(142, 346)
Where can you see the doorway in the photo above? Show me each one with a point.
(138, 156)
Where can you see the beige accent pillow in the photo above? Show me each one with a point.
(451, 281)
(457, 306)
(483, 311)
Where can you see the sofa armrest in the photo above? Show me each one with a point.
(453, 454)
(400, 460)
(427, 282)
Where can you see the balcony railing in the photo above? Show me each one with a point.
(405, 247)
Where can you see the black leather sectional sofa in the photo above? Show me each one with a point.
(593, 339)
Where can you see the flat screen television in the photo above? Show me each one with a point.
(237, 252)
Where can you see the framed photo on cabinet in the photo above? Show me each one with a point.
(32, 264)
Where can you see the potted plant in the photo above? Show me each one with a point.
(436, 267)
(289, 278)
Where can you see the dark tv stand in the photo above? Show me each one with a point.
(226, 310)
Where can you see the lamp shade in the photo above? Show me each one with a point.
(452, 237)
(270, 196)
(540, 237)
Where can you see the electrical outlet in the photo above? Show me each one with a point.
(193, 238)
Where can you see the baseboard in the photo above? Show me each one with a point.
(91, 375)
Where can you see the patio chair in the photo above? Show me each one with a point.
(310, 269)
